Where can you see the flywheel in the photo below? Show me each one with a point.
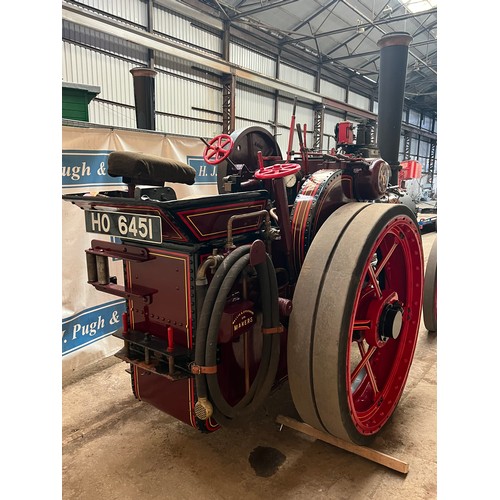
(247, 142)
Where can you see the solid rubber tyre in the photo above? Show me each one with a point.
(430, 290)
(332, 294)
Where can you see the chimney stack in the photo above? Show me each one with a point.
(391, 90)
(144, 94)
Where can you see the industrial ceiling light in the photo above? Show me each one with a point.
(415, 6)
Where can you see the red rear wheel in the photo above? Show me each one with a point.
(355, 319)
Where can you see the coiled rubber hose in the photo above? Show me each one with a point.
(208, 330)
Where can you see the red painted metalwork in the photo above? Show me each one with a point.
(195, 347)
(218, 149)
(378, 365)
(345, 133)
(410, 169)
(319, 196)
(277, 171)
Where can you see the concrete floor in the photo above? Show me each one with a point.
(115, 447)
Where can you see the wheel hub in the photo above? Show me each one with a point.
(391, 321)
(386, 320)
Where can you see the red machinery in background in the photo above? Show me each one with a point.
(296, 270)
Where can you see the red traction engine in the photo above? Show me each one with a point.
(295, 270)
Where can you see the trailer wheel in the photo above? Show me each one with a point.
(430, 290)
(355, 319)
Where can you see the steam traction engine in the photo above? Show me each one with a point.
(296, 269)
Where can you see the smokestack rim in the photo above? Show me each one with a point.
(395, 38)
(141, 71)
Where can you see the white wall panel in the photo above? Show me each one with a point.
(182, 68)
(303, 115)
(131, 10)
(253, 60)
(296, 77)
(178, 95)
(243, 123)
(358, 100)
(114, 115)
(106, 43)
(424, 149)
(332, 91)
(254, 105)
(186, 126)
(181, 29)
(414, 117)
(427, 122)
(86, 66)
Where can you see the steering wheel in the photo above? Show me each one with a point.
(218, 149)
(277, 171)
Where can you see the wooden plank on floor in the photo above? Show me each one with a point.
(362, 451)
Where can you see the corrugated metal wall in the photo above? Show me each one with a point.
(299, 78)
(135, 11)
(251, 59)
(254, 105)
(177, 28)
(358, 100)
(188, 99)
(332, 91)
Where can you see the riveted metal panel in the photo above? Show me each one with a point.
(180, 29)
(252, 59)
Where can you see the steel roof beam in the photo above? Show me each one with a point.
(135, 35)
(262, 8)
(368, 24)
(316, 14)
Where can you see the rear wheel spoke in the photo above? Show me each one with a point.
(365, 358)
(368, 367)
(375, 283)
(386, 259)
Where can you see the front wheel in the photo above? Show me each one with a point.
(355, 320)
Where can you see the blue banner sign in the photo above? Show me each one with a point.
(205, 174)
(91, 324)
(87, 169)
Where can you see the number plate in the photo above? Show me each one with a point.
(123, 225)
